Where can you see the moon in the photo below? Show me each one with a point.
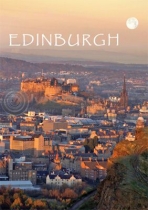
(132, 23)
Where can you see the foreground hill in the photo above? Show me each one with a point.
(125, 186)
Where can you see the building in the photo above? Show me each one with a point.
(71, 81)
(95, 108)
(40, 166)
(28, 126)
(130, 137)
(103, 152)
(18, 184)
(144, 108)
(49, 125)
(21, 171)
(2, 147)
(22, 165)
(32, 145)
(73, 164)
(140, 122)
(21, 175)
(111, 114)
(4, 178)
(66, 178)
(106, 135)
(93, 170)
(41, 171)
(5, 123)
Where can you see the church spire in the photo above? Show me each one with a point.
(124, 96)
(124, 84)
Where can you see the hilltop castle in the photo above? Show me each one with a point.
(48, 87)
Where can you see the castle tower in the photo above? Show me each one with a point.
(124, 96)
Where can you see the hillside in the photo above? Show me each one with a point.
(125, 186)
(12, 67)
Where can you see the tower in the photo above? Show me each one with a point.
(140, 122)
(124, 96)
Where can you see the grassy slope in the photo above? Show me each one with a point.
(125, 186)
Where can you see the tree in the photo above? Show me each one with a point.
(54, 193)
(15, 196)
(16, 204)
(29, 202)
(1, 199)
(90, 144)
(45, 192)
(69, 193)
(39, 204)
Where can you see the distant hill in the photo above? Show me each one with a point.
(52, 55)
(10, 66)
(126, 184)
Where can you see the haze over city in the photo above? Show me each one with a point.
(77, 17)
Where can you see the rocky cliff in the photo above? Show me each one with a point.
(125, 187)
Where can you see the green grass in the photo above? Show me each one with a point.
(131, 180)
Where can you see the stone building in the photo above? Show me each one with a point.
(102, 151)
(28, 145)
(49, 125)
(73, 164)
(59, 180)
(21, 171)
(93, 170)
(95, 108)
(28, 126)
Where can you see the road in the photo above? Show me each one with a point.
(77, 205)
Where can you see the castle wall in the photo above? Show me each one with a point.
(34, 87)
(52, 90)
(45, 87)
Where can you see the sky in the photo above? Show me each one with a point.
(76, 17)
